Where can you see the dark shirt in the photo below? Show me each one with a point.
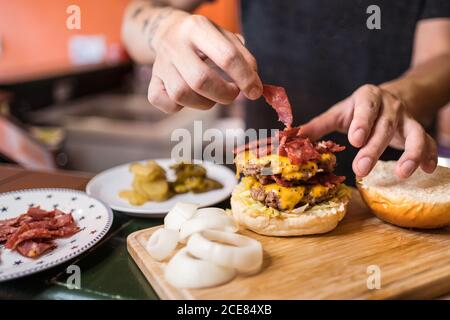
(321, 51)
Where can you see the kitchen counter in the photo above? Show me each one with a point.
(107, 271)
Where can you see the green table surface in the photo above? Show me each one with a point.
(107, 270)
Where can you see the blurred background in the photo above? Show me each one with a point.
(73, 99)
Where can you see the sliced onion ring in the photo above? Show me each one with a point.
(208, 212)
(179, 214)
(186, 271)
(210, 221)
(162, 243)
(227, 250)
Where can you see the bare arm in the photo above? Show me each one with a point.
(142, 18)
(425, 87)
(392, 113)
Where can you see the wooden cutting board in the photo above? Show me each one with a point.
(336, 265)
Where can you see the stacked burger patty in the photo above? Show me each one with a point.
(295, 173)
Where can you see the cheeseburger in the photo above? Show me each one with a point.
(288, 186)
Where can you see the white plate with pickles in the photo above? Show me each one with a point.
(150, 188)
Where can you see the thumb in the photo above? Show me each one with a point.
(241, 38)
(327, 122)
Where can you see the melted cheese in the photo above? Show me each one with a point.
(325, 156)
(249, 182)
(288, 197)
(318, 191)
(277, 164)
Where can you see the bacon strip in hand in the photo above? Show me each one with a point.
(277, 98)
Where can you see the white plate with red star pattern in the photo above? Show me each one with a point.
(92, 216)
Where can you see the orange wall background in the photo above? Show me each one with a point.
(34, 36)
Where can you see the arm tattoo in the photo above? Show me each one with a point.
(137, 11)
(145, 25)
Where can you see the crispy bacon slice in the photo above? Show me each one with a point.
(38, 233)
(14, 222)
(291, 133)
(65, 231)
(41, 233)
(52, 224)
(34, 249)
(277, 98)
(15, 236)
(326, 179)
(9, 222)
(38, 214)
(254, 144)
(282, 182)
(329, 146)
(300, 151)
(63, 220)
(266, 142)
(31, 233)
(5, 232)
(292, 144)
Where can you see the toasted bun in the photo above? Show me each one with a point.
(313, 221)
(421, 201)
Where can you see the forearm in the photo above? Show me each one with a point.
(424, 88)
(141, 21)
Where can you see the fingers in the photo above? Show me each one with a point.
(381, 136)
(420, 149)
(158, 97)
(227, 55)
(373, 118)
(414, 148)
(429, 161)
(173, 88)
(203, 79)
(241, 38)
(180, 92)
(239, 43)
(367, 101)
(336, 118)
(182, 57)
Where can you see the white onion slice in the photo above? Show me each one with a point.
(207, 221)
(227, 250)
(162, 243)
(208, 212)
(186, 271)
(179, 214)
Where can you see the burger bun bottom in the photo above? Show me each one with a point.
(312, 221)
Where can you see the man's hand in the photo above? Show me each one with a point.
(182, 78)
(374, 118)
